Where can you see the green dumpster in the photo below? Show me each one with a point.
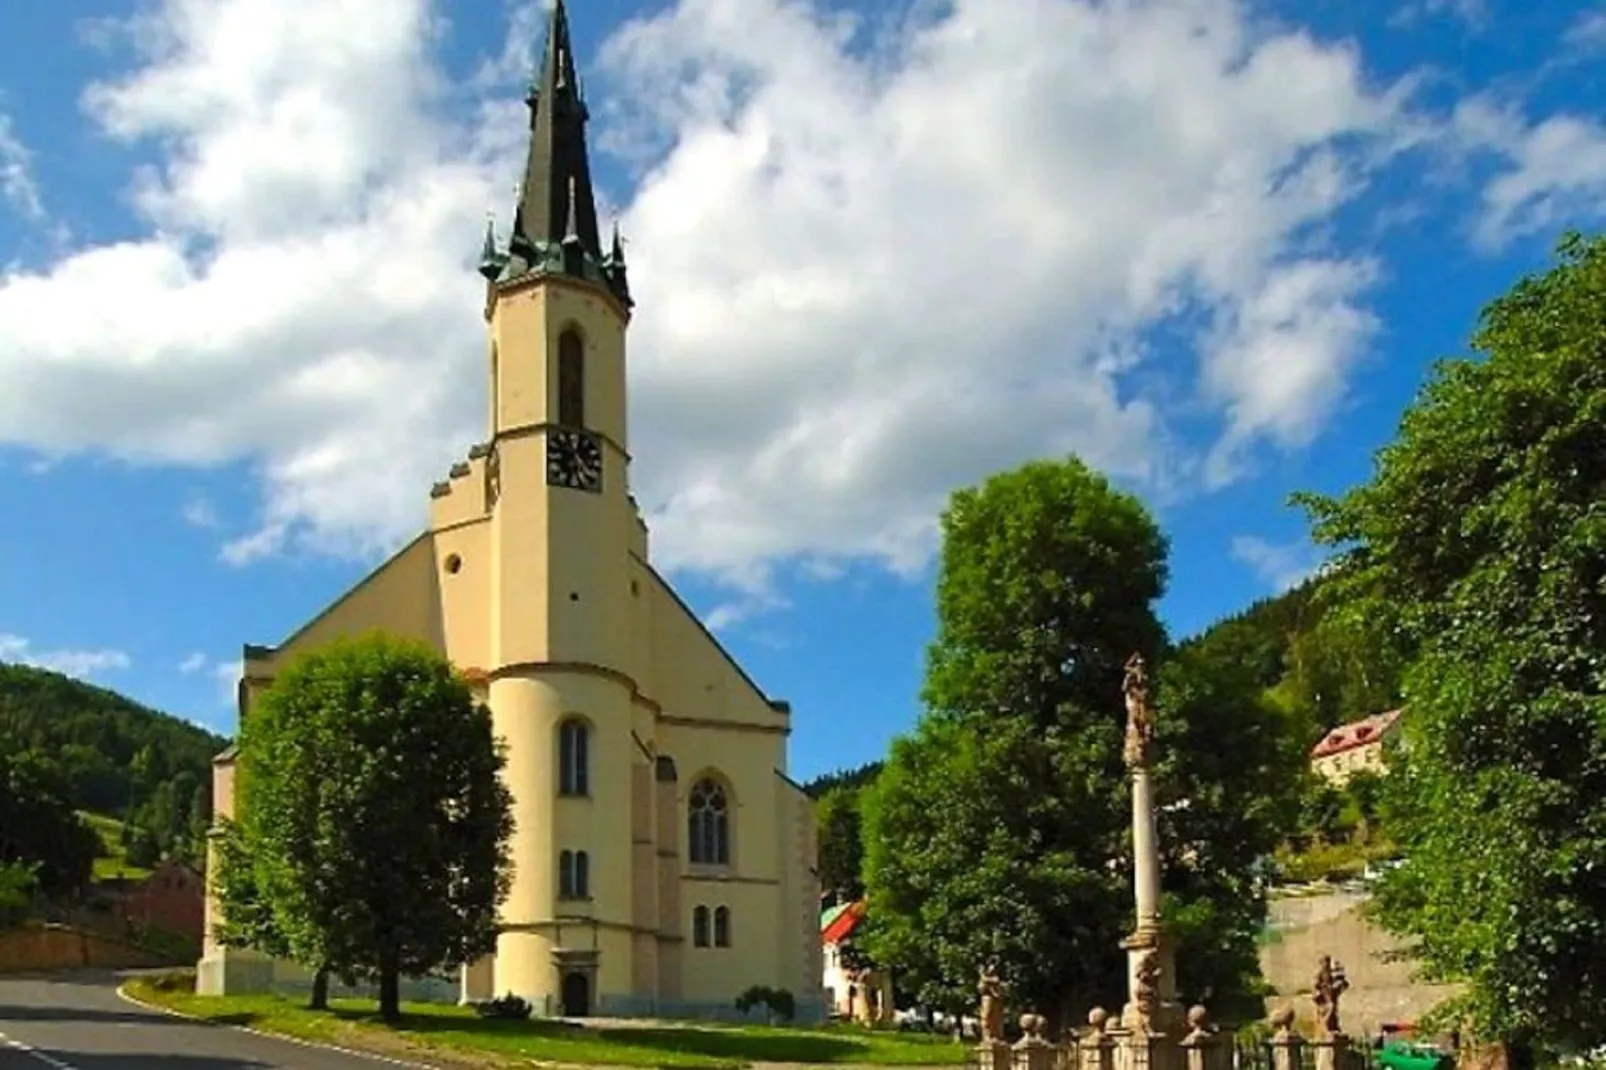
(1404, 1055)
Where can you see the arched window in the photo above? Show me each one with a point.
(699, 927)
(574, 875)
(571, 380)
(574, 758)
(722, 927)
(708, 824)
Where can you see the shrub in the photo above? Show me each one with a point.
(777, 1002)
(508, 1007)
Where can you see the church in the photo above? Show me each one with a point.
(663, 860)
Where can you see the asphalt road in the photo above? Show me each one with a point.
(78, 1022)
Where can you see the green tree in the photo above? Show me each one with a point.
(991, 830)
(39, 827)
(1485, 523)
(19, 892)
(372, 811)
(1230, 770)
(841, 843)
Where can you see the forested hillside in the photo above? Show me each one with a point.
(109, 755)
(1314, 665)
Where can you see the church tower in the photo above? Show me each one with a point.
(561, 521)
(663, 860)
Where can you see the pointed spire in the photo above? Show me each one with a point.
(491, 261)
(557, 199)
(614, 268)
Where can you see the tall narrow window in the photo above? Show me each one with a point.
(722, 927)
(574, 758)
(708, 824)
(571, 380)
(699, 927)
(574, 875)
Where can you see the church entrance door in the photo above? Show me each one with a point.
(576, 995)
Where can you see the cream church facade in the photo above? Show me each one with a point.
(663, 860)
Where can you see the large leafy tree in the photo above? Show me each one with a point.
(841, 842)
(372, 817)
(991, 830)
(1001, 827)
(1485, 524)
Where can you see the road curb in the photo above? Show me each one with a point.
(124, 995)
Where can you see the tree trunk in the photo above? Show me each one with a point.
(320, 990)
(389, 988)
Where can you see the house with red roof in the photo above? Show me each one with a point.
(850, 991)
(1353, 748)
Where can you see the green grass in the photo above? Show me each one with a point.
(113, 862)
(457, 1030)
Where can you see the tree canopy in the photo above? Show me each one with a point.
(372, 821)
(40, 832)
(1480, 544)
(1000, 827)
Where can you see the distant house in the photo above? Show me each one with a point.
(1354, 747)
(172, 899)
(850, 992)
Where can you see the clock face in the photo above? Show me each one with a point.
(573, 459)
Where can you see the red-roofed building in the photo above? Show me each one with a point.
(851, 992)
(1354, 747)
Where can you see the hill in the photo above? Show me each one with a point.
(150, 770)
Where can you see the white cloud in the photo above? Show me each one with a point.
(867, 271)
(17, 186)
(1474, 13)
(1587, 34)
(1550, 172)
(192, 664)
(228, 674)
(201, 513)
(79, 663)
(1280, 565)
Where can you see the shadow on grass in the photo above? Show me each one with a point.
(720, 1044)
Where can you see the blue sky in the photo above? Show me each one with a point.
(879, 252)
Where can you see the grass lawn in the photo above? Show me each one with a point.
(113, 861)
(457, 1030)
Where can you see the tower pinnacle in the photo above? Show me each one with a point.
(555, 220)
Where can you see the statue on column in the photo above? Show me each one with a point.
(1329, 986)
(991, 1013)
(1146, 990)
(1139, 717)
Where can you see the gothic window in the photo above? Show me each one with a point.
(699, 927)
(574, 875)
(574, 758)
(571, 380)
(708, 824)
(722, 927)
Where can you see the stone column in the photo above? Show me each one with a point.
(1097, 1047)
(1145, 850)
(1032, 1051)
(1287, 1046)
(1151, 1009)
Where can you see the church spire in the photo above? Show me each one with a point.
(555, 221)
(557, 159)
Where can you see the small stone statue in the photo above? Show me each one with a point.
(991, 989)
(1329, 986)
(1139, 718)
(1146, 988)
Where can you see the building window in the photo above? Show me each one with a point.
(574, 875)
(708, 824)
(571, 380)
(722, 927)
(699, 927)
(574, 758)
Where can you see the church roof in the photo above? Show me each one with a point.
(555, 220)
